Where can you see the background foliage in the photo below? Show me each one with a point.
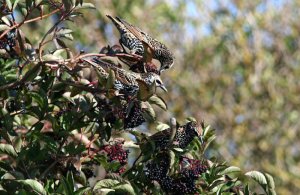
(236, 67)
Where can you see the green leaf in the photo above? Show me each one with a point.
(148, 112)
(3, 27)
(8, 149)
(85, 6)
(172, 159)
(6, 20)
(124, 189)
(111, 79)
(83, 190)
(51, 57)
(15, 4)
(59, 53)
(178, 149)
(80, 178)
(258, 177)
(37, 2)
(145, 91)
(70, 180)
(246, 190)
(63, 31)
(158, 101)
(270, 184)
(18, 143)
(34, 185)
(105, 183)
(162, 126)
(230, 169)
(24, 11)
(9, 5)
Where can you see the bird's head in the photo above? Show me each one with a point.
(167, 60)
(151, 78)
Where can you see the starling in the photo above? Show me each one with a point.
(127, 82)
(183, 136)
(156, 55)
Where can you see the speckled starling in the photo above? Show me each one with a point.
(126, 82)
(183, 136)
(135, 41)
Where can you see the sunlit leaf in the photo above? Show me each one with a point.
(258, 177)
(8, 149)
(230, 169)
(158, 101)
(34, 185)
(86, 6)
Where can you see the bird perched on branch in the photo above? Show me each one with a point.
(157, 57)
(128, 82)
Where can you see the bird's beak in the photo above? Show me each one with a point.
(163, 88)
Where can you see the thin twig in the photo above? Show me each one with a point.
(28, 21)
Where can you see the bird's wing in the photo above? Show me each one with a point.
(139, 35)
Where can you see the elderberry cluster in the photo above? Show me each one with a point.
(116, 153)
(8, 43)
(183, 181)
(193, 168)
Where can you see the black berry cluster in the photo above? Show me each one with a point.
(192, 168)
(157, 169)
(135, 116)
(181, 182)
(8, 43)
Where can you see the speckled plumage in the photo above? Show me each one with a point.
(134, 40)
(126, 82)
